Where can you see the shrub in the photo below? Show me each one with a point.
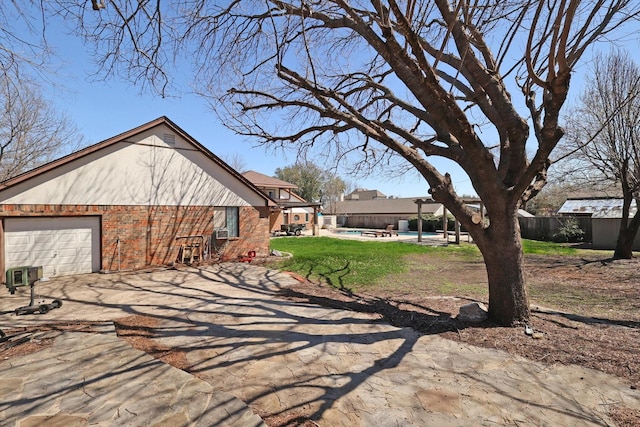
(431, 223)
(569, 232)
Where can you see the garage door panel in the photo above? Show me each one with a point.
(48, 271)
(84, 253)
(41, 238)
(45, 254)
(85, 266)
(18, 259)
(67, 253)
(17, 240)
(67, 237)
(72, 268)
(60, 245)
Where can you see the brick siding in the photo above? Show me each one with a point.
(147, 234)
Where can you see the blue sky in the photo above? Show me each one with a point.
(102, 109)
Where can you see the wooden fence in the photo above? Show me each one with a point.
(535, 228)
(545, 227)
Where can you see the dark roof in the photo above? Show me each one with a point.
(364, 194)
(122, 138)
(261, 180)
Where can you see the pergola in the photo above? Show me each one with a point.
(316, 208)
(445, 232)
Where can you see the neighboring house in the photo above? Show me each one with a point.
(364, 194)
(605, 214)
(275, 188)
(378, 213)
(129, 202)
(292, 209)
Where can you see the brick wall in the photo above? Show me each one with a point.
(147, 234)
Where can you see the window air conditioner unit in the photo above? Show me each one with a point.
(222, 234)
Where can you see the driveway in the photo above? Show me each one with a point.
(246, 343)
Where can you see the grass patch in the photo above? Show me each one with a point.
(546, 248)
(344, 264)
(354, 264)
(404, 268)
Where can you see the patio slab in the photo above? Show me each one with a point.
(279, 357)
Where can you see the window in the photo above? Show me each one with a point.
(306, 217)
(228, 218)
(296, 217)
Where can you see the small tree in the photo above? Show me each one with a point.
(314, 183)
(606, 130)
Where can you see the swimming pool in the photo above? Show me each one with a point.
(358, 231)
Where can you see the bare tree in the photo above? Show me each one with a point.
(333, 189)
(32, 132)
(385, 80)
(236, 161)
(24, 50)
(605, 134)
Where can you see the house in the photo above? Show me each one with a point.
(364, 194)
(135, 200)
(377, 212)
(372, 209)
(291, 208)
(605, 214)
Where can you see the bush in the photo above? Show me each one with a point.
(431, 223)
(569, 232)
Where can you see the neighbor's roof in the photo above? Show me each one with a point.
(596, 208)
(386, 206)
(123, 137)
(364, 194)
(260, 180)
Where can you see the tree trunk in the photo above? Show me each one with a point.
(626, 237)
(501, 247)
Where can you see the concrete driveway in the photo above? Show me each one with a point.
(245, 343)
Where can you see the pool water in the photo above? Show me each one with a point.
(400, 233)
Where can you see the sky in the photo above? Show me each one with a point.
(102, 109)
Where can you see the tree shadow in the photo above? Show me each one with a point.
(246, 331)
(589, 320)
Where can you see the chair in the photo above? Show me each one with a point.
(389, 231)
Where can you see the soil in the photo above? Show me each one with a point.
(595, 320)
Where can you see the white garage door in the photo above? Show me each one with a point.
(61, 246)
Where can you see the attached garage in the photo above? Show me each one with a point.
(62, 246)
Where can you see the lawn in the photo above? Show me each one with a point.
(558, 276)
(353, 265)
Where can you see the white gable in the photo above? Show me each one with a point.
(142, 170)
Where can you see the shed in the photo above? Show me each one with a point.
(605, 214)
